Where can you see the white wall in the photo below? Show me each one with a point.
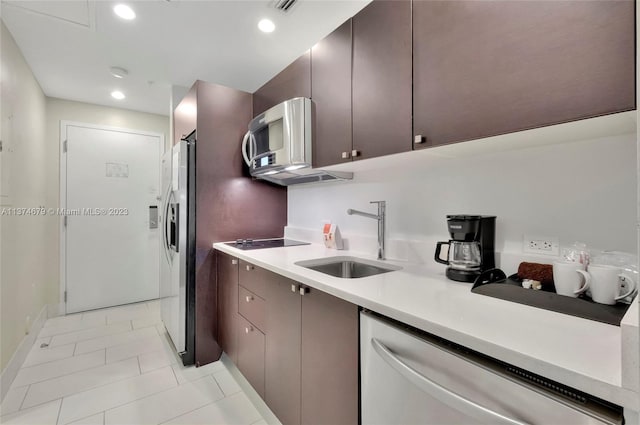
(580, 191)
(26, 267)
(66, 110)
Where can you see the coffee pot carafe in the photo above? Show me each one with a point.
(470, 250)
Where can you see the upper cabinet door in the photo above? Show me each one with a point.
(331, 94)
(483, 68)
(382, 78)
(293, 81)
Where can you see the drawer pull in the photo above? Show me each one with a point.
(294, 288)
(249, 298)
(249, 329)
(249, 267)
(234, 262)
(304, 290)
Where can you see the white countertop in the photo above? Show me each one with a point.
(580, 353)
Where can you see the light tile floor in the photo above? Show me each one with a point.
(116, 366)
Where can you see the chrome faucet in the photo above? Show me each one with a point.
(382, 211)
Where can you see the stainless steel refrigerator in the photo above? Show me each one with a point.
(177, 285)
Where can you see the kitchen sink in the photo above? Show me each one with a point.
(347, 267)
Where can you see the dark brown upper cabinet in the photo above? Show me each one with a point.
(382, 79)
(293, 81)
(331, 95)
(487, 68)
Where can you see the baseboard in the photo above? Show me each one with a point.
(56, 310)
(253, 396)
(19, 356)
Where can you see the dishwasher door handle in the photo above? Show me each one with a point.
(437, 391)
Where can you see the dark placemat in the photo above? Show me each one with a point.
(511, 290)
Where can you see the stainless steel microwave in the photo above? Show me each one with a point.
(278, 145)
(279, 139)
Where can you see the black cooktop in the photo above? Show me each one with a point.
(247, 244)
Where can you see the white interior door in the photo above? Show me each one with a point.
(111, 242)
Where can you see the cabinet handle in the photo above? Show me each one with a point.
(419, 139)
(249, 267)
(234, 262)
(346, 155)
(304, 290)
(249, 329)
(355, 153)
(249, 298)
(294, 288)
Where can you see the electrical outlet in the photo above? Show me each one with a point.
(545, 245)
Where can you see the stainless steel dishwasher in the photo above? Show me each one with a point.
(410, 377)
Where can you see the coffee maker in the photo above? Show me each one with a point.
(470, 250)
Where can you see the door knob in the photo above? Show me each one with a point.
(355, 153)
(294, 288)
(346, 155)
(249, 267)
(419, 139)
(234, 262)
(249, 329)
(249, 298)
(304, 290)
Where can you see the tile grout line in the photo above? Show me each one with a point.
(86, 389)
(62, 358)
(119, 344)
(224, 394)
(190, 411)
(95, 337)
(175, 376)
(24, 397)
(126, 403)
(59, 410)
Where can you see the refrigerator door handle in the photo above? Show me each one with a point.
(166, 225)
(444, 395)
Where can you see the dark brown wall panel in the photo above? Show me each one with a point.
(382, 78)
(331, 95)
(228, 205)
(483, 68)
(293, 81)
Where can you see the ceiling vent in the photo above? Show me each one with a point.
(285, 5)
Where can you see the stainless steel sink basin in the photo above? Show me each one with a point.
(347, 267)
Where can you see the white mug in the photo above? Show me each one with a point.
(570, 279)
(606, 284)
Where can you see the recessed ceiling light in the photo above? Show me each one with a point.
(117, 95)
(266, 25)
(118, 72)
(124, 11)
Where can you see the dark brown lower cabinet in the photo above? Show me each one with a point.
(228, 304)
(282, 354)
(297, 346)
(330, 360)
(251, 343)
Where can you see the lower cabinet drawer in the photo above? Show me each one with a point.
(252, 308)
(251, 354)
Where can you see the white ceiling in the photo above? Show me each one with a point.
(70, 45)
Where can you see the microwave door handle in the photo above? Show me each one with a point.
(244, 148)
(437, 391)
